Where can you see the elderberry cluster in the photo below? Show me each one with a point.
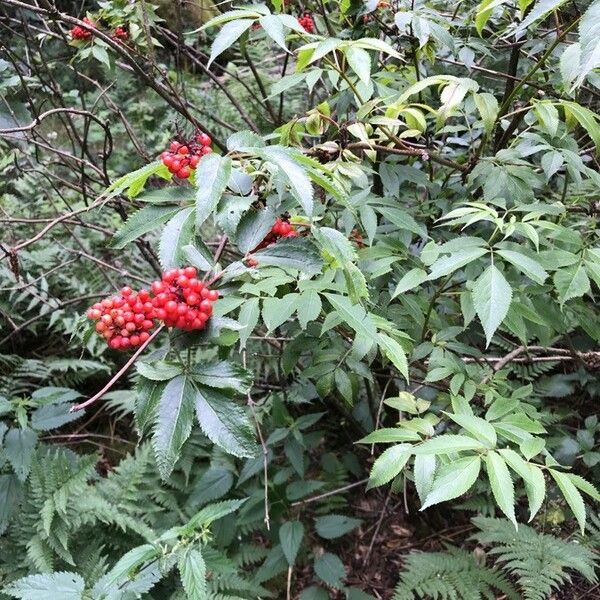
(79, 33)
(281, 228)
(181, 158)
(124, 320)
(120, 33)
(307, 21)
(181, 300)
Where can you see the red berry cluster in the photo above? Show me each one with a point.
(80, 33)
(180, 158)
(124, 320)
(183, 301)
(307, 21)
(120, 33)
(281, 228)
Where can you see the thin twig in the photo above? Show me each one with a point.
(120, 372)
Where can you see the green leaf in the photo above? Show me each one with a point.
(292, 253)
(453, 480)
(335, 526)
(409, 281)
(584, 485)
(159, 370)
(10, 492)
(330, 569)
(487, 105)
(394, 352)
(353, 314)
(228, 35)
(148, 394)
(492, 296)
(101, 55)
(571, 282)
(277, 311)
(539, 11)
(140, 222)
(360, 62)
(448, 444)
(290, 538)
(390, 434)
(501, 484)
(224, 422)
(572, 496)
(589, 40)
(424, 473)
(477, 427)
(526, 265)
(19, 445)
(52, 416)
(586, 118)
(273, 27)
(248, 318)
(213, 512)
(63, 585)
(224, 375)
(197, 255)
(294, 174)
(253, 228)
(532, 447)
(212, 176)
(448, 264)
(389, 464)
(532, 476)
(308, 307)
(173, 423)
(177, 234)
(192, 570)
(402, 220)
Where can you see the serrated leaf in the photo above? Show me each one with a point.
(492, 296)
(277, 311)
(290, 538)
(141, 222)
(572, 496)
(273, 27)
(293, 174)
(177, 233)
(360, 62)
(292, 253)
(589, 40)
(228, 35)
(353, 314)
(389, 464)
(394, 352)
(477, 427)
(335, 526)
(448, 444)
(19, 445)
(63, 585)
(409, 281)
(212, 176)
(453, 481)
(224, 375)
(526, 265)
(224, 422)
(330, 569)
(448, 264)
(532, 476)
(52, 416)
(390, 434)
(192, 570)
(253, 228)
(308, 307)
(173, 423)
(571, 282)
(539, 11)
(501, 484)
(424, 473)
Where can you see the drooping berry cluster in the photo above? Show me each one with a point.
(281, 228)
(181, 300)
(121, 33)
(307, 21)
(181, 158)
(80, 33)
(124, 320)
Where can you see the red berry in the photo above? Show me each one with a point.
(213, 295)
(206, 150)
(206, 306)
(194, 161)
(183, 150)
(171, 306)
(204, 139)
(193, 299)
(190, 272)
(184, 173)
(174, 146)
